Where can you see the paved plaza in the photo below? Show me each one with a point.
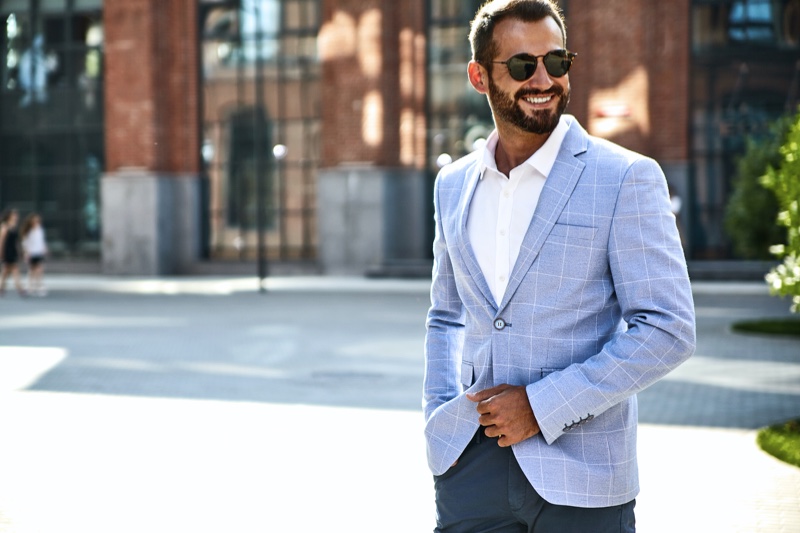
(200, 405)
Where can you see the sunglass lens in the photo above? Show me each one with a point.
(557, 63)
(521, 69)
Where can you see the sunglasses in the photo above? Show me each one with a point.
(522, 66)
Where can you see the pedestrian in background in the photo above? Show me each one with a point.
(559, 291)
(34, 247)
(9, 251)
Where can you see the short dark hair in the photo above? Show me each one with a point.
(482, 27)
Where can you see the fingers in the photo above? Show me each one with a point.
(507, 439)
(503, 440)
(506, 414)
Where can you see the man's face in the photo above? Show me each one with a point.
(536, 104)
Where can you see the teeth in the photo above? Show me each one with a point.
(538, 99)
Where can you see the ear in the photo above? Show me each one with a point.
(478, 77)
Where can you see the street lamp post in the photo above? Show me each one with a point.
(258, 135)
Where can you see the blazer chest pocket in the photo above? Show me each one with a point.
(568, 232)
(467, 374)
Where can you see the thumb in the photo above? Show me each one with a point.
(485, 394)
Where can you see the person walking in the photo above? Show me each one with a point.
(34, 247)
(559, 291)
(9, 251)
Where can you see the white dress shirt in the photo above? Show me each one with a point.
(502, 207)
(34, 243)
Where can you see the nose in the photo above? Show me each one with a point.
(540, 76)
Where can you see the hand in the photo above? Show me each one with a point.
(506, 413)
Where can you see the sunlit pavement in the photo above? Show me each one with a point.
(118, 464)
(197, 405)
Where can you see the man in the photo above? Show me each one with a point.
(559, 291)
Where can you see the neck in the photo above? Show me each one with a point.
(514, 148)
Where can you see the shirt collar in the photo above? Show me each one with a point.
(542, 159)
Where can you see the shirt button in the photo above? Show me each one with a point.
(502, 278)
(507, 194)
(499, 324)
(502, 233)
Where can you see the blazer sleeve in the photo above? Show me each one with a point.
(444, 339)
(649, 276)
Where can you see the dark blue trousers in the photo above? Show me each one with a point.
(488, 492)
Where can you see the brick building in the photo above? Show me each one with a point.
(156, 134)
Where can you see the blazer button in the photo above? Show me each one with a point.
(499, 324)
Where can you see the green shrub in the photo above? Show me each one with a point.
(751, 210)
(784, 180)
(769, 326)
(782, 441)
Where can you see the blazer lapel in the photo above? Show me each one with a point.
(470, 183)
(556, 192)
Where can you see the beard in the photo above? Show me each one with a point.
(542, 121)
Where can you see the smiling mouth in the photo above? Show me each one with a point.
(538, 100)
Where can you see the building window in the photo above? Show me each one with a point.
(261, 121)
(459, 118)
(723, 23)
(751, 20)
(51, 117)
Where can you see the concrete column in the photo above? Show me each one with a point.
(150, 223)
(151, 188)
(369, 220)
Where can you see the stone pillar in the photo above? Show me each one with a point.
(372, 193)
(151, 187)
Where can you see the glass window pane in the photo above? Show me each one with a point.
(86, 5)
(752, 20)
(260, 17)
(790, 26)
(10, 6)
(709, 26)
(311, 9)
(18, 191)
(460, 118)
(293, 15)
(16, 153)
(52, 6)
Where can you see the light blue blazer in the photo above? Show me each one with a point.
(598, 307)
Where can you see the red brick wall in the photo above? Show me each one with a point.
(633, 58)
(373, 83)
(633, 61)
(151, 85)
(669, 65)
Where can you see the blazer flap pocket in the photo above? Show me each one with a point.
(574, 232)
(467, 373)
(548, 371)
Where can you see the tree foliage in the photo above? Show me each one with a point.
(751, 210)
(783, 179)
